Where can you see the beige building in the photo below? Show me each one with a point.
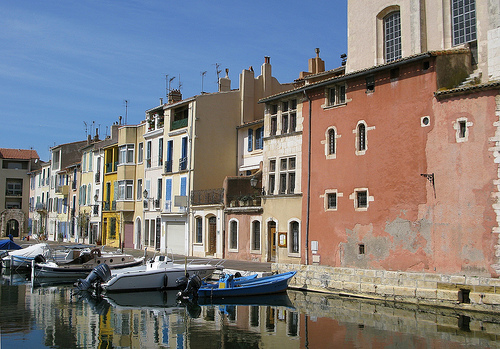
(414, 26)
(15, 184)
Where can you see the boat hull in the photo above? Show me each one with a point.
(260, 286)
(154, 279)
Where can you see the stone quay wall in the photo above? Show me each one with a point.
(455, 291)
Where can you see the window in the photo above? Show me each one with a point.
(331, 142)
(274, 119)
(392, 36)
(362, 199)
(294, 237)
(336, 95)
(183, 159)
(361, 249)
(331, 201)
(370, 84)
(139, 189)
(14, 187)
(255, 235)
(199, 230)
(233, 235)
(148, 154)
(250, 140)
(361, 138)
(140, 153)
(160, 152)
(126, 154)
(463, 13)
(90, 161)
(168, 194)
(461, 127)
(170, 150)
(112, 228)
(288, 116)
(287, 176)
(272, 176)
(125, 190)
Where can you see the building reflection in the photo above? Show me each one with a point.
(155, 319)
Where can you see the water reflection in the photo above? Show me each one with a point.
(54, 316)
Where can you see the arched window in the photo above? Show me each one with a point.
(392, 36)
(331, 141)
(233, 235)
(294, 237)
(361, 137)
(255, 235)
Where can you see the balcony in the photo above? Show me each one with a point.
(105, 206)
(95, 210)
(62, 189)
(41, 207)
(14, 192)
(157, 204)
(207, 197)
(168, 166)
(248, 200)
(179, 124)
(183, 164)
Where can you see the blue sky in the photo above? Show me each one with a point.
(67, 63)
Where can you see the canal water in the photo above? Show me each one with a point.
(49, 316)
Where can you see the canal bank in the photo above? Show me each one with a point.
(459, 292)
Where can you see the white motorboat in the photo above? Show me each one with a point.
(159, 273)
(22, 258)
(83, 264)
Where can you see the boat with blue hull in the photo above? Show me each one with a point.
(228, 286)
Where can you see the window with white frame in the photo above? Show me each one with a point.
(461, 127)
(148, 154)
(331, 197)
(272, 177)
(336, 95)
(288, 116)
(125, 190)
(392, 36)
(361, 199)
(331, 143)
(160, 152)
(140, 153)
(273, 109)
(463, 13)
(199, 230)
(139, 189)
(255, 238)
(294, 237)
(361, 138)
(126, 154)
(287, 175)
(233, 235)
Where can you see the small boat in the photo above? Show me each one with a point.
(83, 264)
(231, 287)
(159, 273)
(22, 258)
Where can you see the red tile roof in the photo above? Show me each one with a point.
(24, 154)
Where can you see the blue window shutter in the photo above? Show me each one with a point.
(259, 134)
(183, 186)
(168, 189)
(184, 147)
(250, 140)
(170, 149)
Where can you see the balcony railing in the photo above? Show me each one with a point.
(113, 205)
(183, 164)
(249, 200)
(105, 206)
(111, 167)
(41, 206)
(14, 192)
(207, 197)
(157, 203)
(168, 166)
(179, 124)
(96, 210)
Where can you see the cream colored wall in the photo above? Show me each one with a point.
(215, 138)
(425, 26)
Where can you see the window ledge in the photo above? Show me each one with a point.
(333, 106)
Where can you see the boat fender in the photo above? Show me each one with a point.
(165, 281)
(40, 259)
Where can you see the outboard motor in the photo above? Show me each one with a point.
(193, 284)
(100, 273)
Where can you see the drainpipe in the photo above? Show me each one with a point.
(308, 180)
(188, 193)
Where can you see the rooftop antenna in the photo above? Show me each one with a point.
(169, 82)
(180, 83)
(126, 111)
(203, 73)
(218, 71)
(86, 130)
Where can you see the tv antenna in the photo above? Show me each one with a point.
(203, 73)
(126, 111)
(86, 129)
(217, 71)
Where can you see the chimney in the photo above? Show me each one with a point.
(120, 120)
(225, 83)
(174, 96)
(161, 101)
(316, 65)
(96, 137)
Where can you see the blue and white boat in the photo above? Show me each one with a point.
(228, 286)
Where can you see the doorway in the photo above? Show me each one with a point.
(212, 235)
(271, 241)
(13, 227)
